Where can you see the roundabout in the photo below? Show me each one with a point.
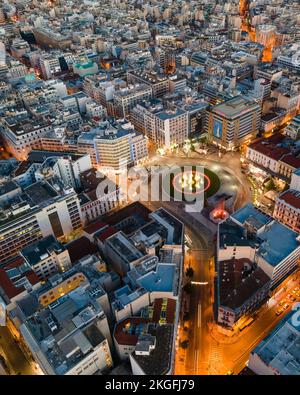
(189, 182)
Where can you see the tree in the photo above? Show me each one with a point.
(189, 272)
(270, 185)
(187, 288)
(184, 344)
(186, 316)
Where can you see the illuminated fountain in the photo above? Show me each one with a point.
(191, 182)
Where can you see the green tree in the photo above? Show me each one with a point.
(270, 185)
(189, 272)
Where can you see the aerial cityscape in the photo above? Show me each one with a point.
(149, 187)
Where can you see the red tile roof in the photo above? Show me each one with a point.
(95, 226)
(291, 198)
(107, 233)
(269, 149)
(291, 160)
(7, 284)
(80, 248)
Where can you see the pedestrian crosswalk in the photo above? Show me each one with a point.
(215, 357)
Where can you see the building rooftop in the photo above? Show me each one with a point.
(159, 361)
(123, 247)
(36, 252)
(174, 227)
(249, 213)
(162, 279)
(71, 324)
(280, 350)
(235, 107)
(278, 242)
(129, 218)
(125, 295)
(38, 156)
(239, 279)
(291, 197)
(80, 248)
(15, 277)
(128, 331)
(40, 192)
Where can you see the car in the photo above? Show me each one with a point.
(292, 298)
(285, 306)
(279, 311)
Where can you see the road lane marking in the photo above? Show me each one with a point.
(199, 282)
(199, 315)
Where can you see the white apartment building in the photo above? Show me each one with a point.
(49, 65)
(28, 219)
(82, 347)
(232, 123)
(47, 257)
(273, 246)
(67, 167)
(21, 134)
(172, 127)
(127, 98)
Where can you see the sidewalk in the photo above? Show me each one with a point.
(223, 339)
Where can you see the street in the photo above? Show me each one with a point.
(15, 358)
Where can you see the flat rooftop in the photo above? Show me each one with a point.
(123, 247)
(173, 225)
(159, 361)
(250, 213)
(38, 156)
(239, 279)
(281, 349)
(36, 252)
(278, 242)
(128, 331)
(235, 107)
(40, 192)
(162, 279)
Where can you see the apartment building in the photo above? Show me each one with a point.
(234, 122)
(22, 133)
(127, 98)
(159, 84)
(278, 353)
(100, 195)
(253, 235)
(46, 37)
(287, 209)
(42, 209)
(47, 257)
(64, 344)
(165, 126)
